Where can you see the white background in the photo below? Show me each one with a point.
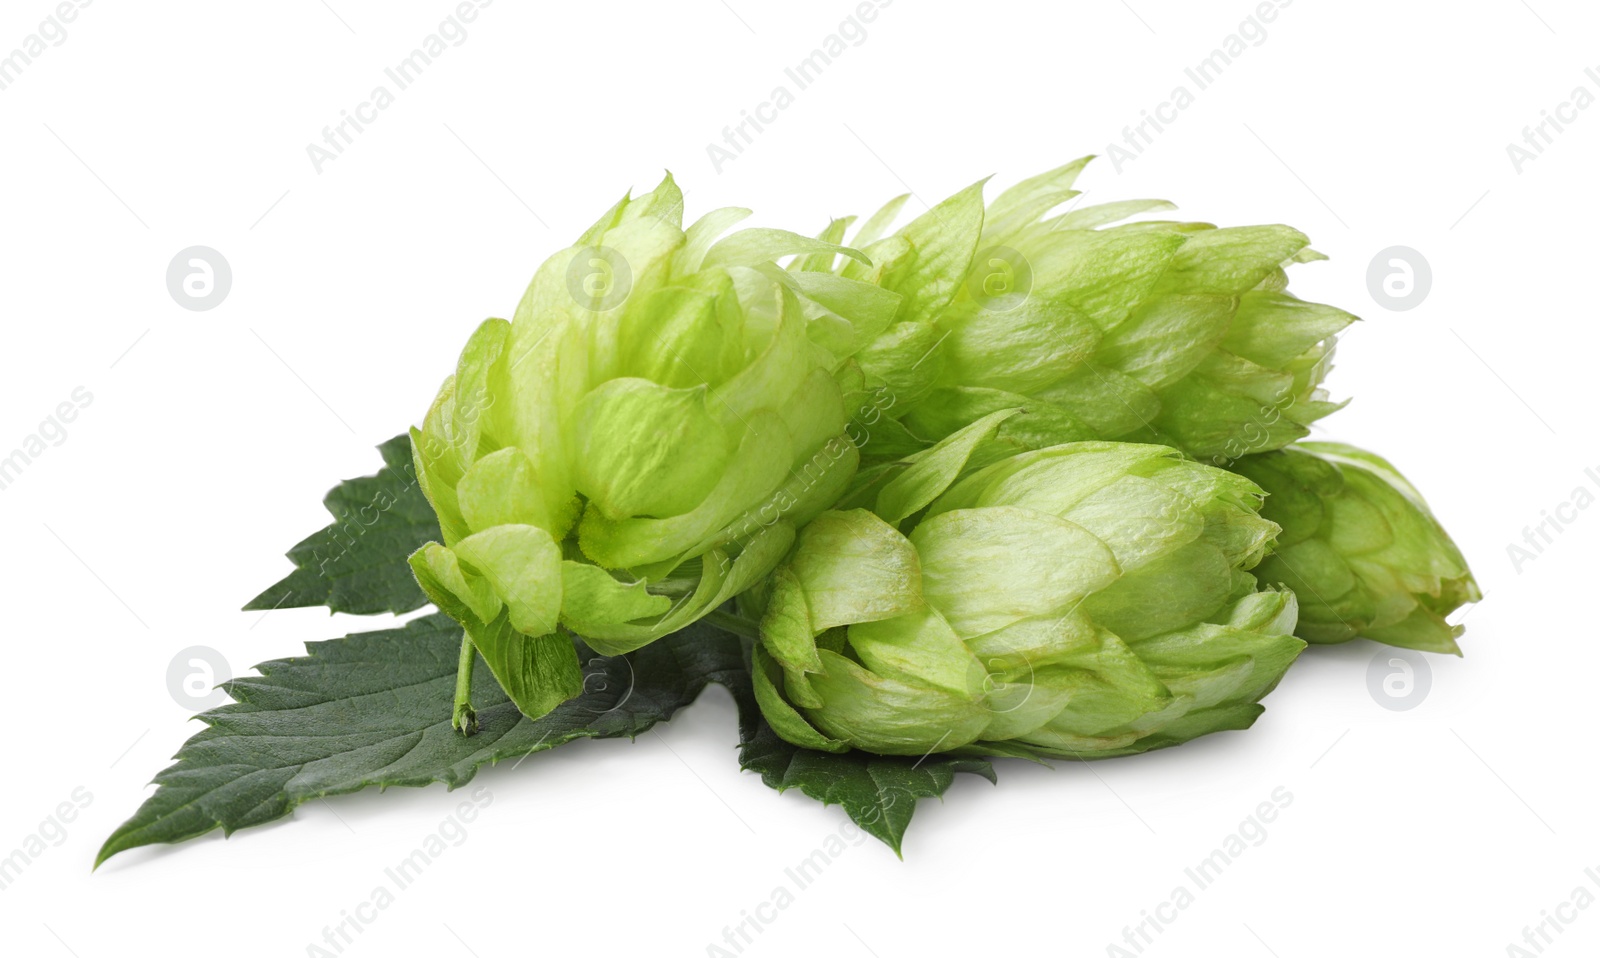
(212, 436)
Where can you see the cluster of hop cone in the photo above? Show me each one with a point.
(1021, 478)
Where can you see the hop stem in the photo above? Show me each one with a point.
(737, 624)
(463, 718)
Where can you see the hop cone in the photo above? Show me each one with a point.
(633, 449)
(1084, 600)
(1168, 332)
(1360, 548)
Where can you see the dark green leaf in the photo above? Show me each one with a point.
(374, 709)
(878, 792)
(358, 564)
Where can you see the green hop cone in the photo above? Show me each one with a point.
(1169, 332)
(632, 450)
(1360, 548)
(1084, 600)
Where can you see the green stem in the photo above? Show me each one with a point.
(737, 624)
(462, 717)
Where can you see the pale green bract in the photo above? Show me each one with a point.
(1360, 548)
(633, 449)
(1168, 332)
(1084, 600)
